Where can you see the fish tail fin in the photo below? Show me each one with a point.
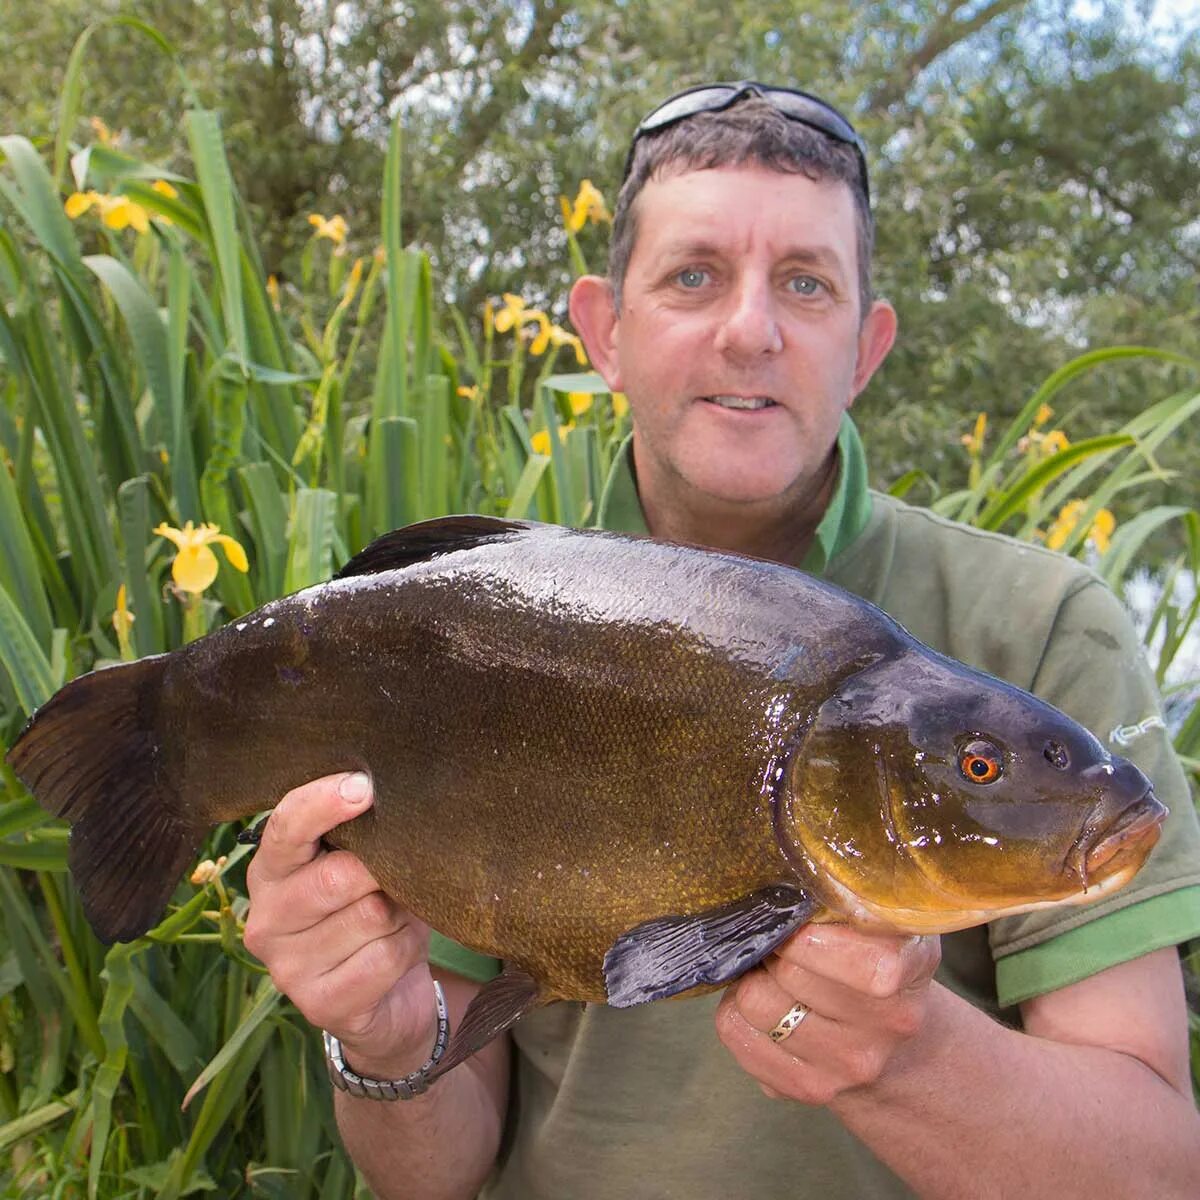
(91, 754)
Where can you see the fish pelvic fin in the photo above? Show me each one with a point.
(429, 539)
(669, 955)
(90, 754)
(498, 1005)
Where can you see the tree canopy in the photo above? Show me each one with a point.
(1034, 162)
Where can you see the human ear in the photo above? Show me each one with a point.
(594, 315)
(875, 339)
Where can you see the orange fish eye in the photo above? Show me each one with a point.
(980, 762)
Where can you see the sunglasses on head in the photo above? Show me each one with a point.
(795, 105)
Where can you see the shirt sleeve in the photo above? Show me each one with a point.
(1095, 670)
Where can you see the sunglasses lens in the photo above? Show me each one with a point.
(795, 105)
(688, 104)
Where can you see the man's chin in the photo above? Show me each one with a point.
(743, 490)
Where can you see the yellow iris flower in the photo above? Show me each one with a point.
(974, 441)
(542, 339)
(334, 228)
(195, 565)
(620, 403)
(1043, 445)
(122, 620)
(514, 313)
(560, 337)
(588, 206)
(115, 211)
(1099, 535)
(101, 130)
(540, 442)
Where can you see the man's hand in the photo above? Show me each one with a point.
(867, 995)
(350, 959)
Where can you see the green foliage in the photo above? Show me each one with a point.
(153, 381)
(161, 378)
(1033, 162)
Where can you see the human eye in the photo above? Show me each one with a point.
(691, 278)
(806, 285)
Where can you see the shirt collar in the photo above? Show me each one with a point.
(846, 515)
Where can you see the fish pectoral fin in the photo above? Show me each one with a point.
(669, 955)
(499, 1005)
(428, 539)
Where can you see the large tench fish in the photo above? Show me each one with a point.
(627, 768)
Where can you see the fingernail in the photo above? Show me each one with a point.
(355, 788)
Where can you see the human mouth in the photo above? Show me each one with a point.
(742, 403)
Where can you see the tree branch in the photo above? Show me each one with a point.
(945, 33)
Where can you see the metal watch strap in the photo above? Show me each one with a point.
(347, 1080)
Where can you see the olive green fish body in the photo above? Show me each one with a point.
(554, 763)
(627, 768)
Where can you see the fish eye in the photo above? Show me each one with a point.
(980, 761)
(1056, 755)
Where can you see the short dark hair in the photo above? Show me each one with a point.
(751, 130)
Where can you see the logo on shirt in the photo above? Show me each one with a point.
(1122, 735)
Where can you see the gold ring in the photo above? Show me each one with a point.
(789, 1021)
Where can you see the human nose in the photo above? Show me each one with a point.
(750, 326)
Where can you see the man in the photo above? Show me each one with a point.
(738, 319)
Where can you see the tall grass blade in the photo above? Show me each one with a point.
(133, 513)
(34, 1121)
(27, 665)
(1130, 538)
(216, 186)
(527, 486)
(268, 524)
(310, 558)
(72, 88)
(19, 575)
(393, 474)
(1014, 499)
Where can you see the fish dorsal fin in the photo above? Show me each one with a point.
(428, 539)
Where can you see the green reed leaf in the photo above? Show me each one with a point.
(118, 974)
(37, 1119)
(527, 486)
(217, 188)
(393, 473)
(136, 523)
(310, 549)
(72, 88)
(36, 200)
(22, 657)
(268, 524)
(1013, 499)
(41, 850)
(19, 574)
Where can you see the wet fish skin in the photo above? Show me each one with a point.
(573, 736)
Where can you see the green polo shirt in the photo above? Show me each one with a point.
(1029, 616)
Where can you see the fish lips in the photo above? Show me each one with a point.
(1118, 832)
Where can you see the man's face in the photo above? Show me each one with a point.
(740, 341)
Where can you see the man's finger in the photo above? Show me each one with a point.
(299, 821)
(879, 965)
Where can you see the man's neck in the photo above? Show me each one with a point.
(781, 530)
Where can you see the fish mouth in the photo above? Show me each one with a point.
(1121, 846)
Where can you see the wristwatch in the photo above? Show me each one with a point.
(350, 1081)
